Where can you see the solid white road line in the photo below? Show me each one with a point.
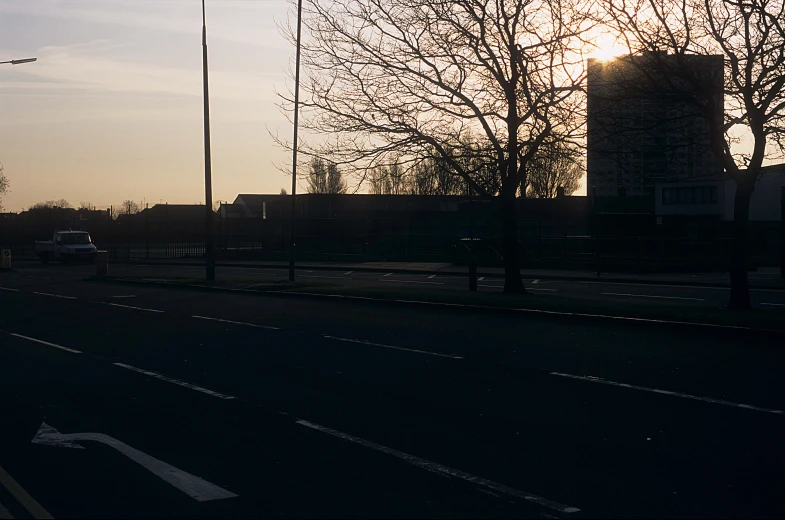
(361, 342)
(388, 274)
(35, 509)
(5, 514)
(8, 289)
(130, 307)
(72, 351)
(55, 295)
(481, 278)
(708, 288)
(536, 281)
(175, 381)
(348, 272)
(536, 289)
(237, 322)
(320, 276)
(411, 281)
(652, 296)
(433, 467)
(667, 392)
(775, 304)
(530, 311)
(432, 276)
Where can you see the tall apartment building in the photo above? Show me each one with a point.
(645, 128)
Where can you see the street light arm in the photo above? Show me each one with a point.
(17, 62)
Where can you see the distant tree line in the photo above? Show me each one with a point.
(4, 186)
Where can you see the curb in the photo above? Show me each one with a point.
(680, 283)
(420, 304)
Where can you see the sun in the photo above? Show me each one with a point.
(605, 47)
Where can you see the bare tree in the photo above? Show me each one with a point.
(556, 165)
(4, 186)
(130, 207)
(389, 179)
(60, 203)
(86, 206)
(410, 78)
(749, 35)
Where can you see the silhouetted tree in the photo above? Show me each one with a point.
(60, 203)
(317, 176)
(325, 177)
(130, 207)
(556, 165)
(335, 182)
(411, 78)
(389, 179)
(283, 191)
(86, 206)
(750, 36)
(4, 186)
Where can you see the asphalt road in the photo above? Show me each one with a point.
(231, 405)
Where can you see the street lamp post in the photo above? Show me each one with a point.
(209, 253)
(293, 227)
(20, 61)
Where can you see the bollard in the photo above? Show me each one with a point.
(473, 275)
(101, 263)
(5, 259)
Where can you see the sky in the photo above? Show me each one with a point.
(112, 109)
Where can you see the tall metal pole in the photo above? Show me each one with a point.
(294, 142)
(209, 252)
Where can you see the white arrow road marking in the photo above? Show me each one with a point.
(193, 486)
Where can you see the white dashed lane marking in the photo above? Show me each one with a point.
(175, 381)
(369, 343)
(652, 296)
(55, 295)
(72, 351)
(668, 392)
(129, 307)
(236, 322)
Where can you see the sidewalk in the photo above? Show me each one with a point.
(764, 278)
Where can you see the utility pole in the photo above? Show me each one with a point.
(782, 232)
(293, 227)
(209, 252)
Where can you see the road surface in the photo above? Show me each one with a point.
(187, 404)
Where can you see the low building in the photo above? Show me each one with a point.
(714, 198)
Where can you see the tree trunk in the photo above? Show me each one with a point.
(739, 283)
(512, 271)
